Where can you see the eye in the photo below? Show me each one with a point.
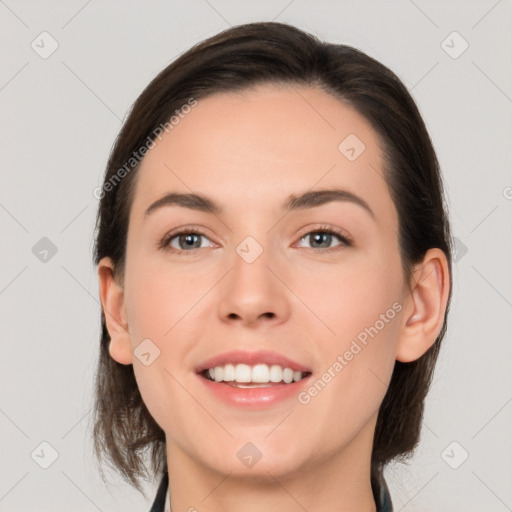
(322, 238)
(184, 240)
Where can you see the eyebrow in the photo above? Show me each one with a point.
(310, 199)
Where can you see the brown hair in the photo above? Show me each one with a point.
(235, 59)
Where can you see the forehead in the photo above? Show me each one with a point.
(254, 146)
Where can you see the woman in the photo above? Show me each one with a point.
(274, 263)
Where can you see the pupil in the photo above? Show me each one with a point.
(318, 237)
(189, 242)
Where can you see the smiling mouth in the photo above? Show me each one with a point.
(242, 385)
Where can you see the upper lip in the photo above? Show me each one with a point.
(251, 358)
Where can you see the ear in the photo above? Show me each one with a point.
(112, 302)
(425, 306)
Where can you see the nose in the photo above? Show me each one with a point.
(253, 293)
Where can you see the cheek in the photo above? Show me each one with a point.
(361, 306)
(352, 296)
(160, 309)
(156, 302)
(348, 391)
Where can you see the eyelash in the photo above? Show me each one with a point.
(344, 239)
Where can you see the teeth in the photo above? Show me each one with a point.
(229, 372)
(258, 374)
(288, 375)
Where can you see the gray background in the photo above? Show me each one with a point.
(60, 116)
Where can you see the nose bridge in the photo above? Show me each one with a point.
(251, 276)
(252, 290)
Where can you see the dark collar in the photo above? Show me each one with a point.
(381, 494)
(379, 487)
(159, 503)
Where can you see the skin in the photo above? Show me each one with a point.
(248, 152)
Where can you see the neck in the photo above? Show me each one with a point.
(339, 482)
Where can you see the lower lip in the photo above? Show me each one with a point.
(254, 397)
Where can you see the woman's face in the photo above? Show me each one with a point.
(263, 275)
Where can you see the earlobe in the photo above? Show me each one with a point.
(120, 351)
(425, 307)
(113, 305)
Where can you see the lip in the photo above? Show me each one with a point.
(257, 397)
(251, 358)
(254, 398)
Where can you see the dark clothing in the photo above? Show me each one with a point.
(379, 488)
(159, 503)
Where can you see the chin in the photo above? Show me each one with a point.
(258, 459)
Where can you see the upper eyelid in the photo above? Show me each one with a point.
(324, 228)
